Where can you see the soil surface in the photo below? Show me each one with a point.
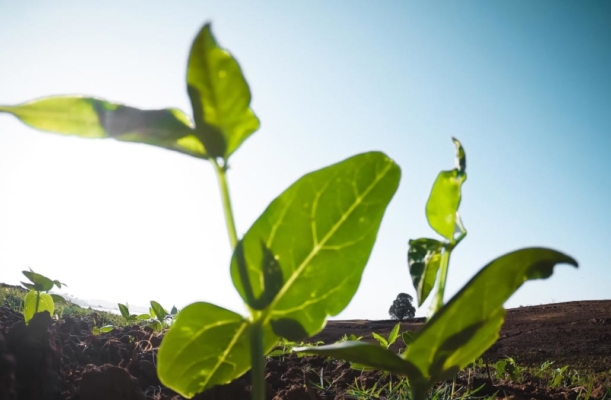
(57, 360)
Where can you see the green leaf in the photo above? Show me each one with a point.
(443, 202)
(41, 282)
(206, 346)
(88, 117)
(220, 97)
(57, 299)
(423, 259)
(142, 317)
(363, 353)
(30, 286)
(320, 231)
(379, 338)
(174, 311)
(59, 284)
(408, 337)
(394, 334)
(29, 305)
(124, 311)
(160, 312)
(470, 322)
(461, 157)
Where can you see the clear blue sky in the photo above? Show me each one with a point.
(526, 87)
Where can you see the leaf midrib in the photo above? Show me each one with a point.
(285, 288)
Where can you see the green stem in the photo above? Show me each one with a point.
(221, 173)
(257, 359)
(37, 302)
(444, 263)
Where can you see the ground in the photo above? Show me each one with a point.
(53, 360)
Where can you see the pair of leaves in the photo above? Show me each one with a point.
(462, 329)
(45, 303)
(392, 337)
(301, 261)
(424, 255)
(40, 282)
(219, 95)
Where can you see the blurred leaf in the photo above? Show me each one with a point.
(57, 299)
(461, 157)
(41, 282)
(143, 317)
(174, 310)
(29, 305)
(408, 337)
(443, 203)
(206, 346)
(367, 354)
(30, 286)
(59, 284)
(394, 334)
(219, 95)
(124, 311)
(380, 339)
(160, 312)
(469, 323)
(320, 231)
(88, 117)
(423, 259)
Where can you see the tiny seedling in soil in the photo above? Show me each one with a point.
(302, 260)
(37, 299)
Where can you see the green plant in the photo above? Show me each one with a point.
(160, 316)
(402, 307)
(37, 299)
(131, 318)
(462, 329)
(300, 262)
(508, 367)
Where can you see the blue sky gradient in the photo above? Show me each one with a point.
(526, 87)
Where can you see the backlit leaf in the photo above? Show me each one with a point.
(470, 322)
(206, 346)
(423, 259)
(320, 231)
(160, 312)
(29, 305)
(41, 282)
(219, 95)
(89, 117)
(124, 311)
(394, 334)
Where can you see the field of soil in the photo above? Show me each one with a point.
(57, 360)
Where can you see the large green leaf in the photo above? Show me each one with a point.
(423, 259)
(219, 95)
(443, 202)
(321, 231)
(470, 322)
(29, 305)
(206, 346)
(94, 118)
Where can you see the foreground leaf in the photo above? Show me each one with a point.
(470, 322)
(423, 259)
(88, 117)
(206, 346)
(320, 232)
(29, 305)
(363, 353)
(219, 95)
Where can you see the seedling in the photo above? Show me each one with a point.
(131, 318)
(38, 300)
(462, 329)
(303, 258)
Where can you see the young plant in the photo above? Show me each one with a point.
(161, 318)
(300, 262)
(392, 337)
(37, 299)
(131, 318)
(462, 329)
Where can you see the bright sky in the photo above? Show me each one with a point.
(526, 87)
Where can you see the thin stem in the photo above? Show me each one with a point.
(221, 173)
(37, 302)
(257, 373)
(444, 263)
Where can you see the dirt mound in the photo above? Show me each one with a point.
(57, 360)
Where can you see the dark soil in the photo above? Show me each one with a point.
(53, 360)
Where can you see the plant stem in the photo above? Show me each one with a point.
(37, 302)
(221, 173)
(257, 373)
(444, 263)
